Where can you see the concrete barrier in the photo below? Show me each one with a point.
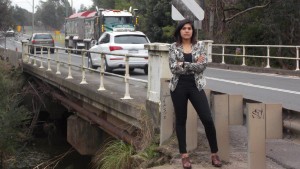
(166, 112)
(274, 123)
(256, 135)
(220, 108)
(235, 109)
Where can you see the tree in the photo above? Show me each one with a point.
(52, 13)
(156, 20)
(82, 8)
(105, 4)
(21, 16)
(6, 15)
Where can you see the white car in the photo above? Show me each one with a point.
(120, 43)
(10, 32)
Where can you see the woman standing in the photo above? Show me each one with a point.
(187, 61)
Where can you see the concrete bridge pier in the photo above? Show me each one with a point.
(86, 137)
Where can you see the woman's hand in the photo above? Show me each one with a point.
(180, 63)
(201, 59)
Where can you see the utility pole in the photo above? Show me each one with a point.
(32, 16)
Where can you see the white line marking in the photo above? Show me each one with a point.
(253, 85)
(264, 74)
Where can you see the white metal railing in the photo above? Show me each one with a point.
(240, 51)
(57, 60)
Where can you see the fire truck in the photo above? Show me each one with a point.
(82, 30)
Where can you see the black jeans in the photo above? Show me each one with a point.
(186, 90)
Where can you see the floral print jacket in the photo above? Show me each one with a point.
(176, 55)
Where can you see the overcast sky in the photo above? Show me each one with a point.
(27, 4)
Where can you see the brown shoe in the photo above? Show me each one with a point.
(215, 161)
(186, 163)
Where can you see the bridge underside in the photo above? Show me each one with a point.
(96, 115)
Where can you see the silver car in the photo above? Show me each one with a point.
(41, 39)
(120, 43)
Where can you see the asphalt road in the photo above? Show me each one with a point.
(267, 88)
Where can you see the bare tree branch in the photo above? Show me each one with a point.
(247, 10)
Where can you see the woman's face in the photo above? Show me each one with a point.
(186, 32)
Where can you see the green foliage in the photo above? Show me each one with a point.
(118, 155)
(52, 13)
(6, 20)
(105, 4)
(12, 114)
(21, 16)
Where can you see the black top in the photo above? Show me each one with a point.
(189, 77)
(187, 57)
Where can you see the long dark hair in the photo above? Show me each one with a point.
(177, 36)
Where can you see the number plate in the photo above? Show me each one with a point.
(133, 51)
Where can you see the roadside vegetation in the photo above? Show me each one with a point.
(13, 115)
(117, 154)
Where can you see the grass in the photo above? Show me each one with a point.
(116, 154)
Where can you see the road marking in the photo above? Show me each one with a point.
(265, 74)
(253, 85)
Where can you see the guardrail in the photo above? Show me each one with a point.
(235, 50)
(34, 57)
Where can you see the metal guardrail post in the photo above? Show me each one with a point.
(41, 59)
(223, 52)
(244, 53)
(101, 87)
(69, 65)
(268, 57)
(48, 60)
(297, 61)
(57, 63)
(127, 94)
(83, 81)
(34, 57)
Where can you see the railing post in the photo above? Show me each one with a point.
(268, 57)
(127, 94)
(244, 53)
(158, 94)
(34, 57)
(297, 57)
(101, 87)
(83, 54)
(57, 63)
(25, 57)
(223, 52)
(208, 47)
(69, 65)
(48, 60)
(41, 59)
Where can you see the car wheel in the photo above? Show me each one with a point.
(51, 51)
(90, 62)
(106, 67)
(146, 70)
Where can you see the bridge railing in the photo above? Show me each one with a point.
(83, 67)
(266, 52)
